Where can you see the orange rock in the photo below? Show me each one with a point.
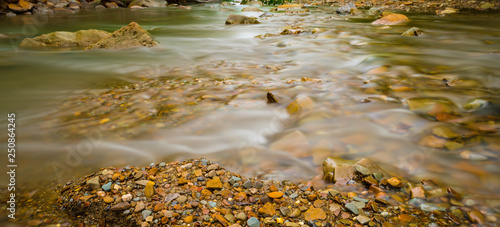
(432, 141)
(319, 203)
(214, 183)
(275, 195)
(21, 6)
(108, 199)
(395, 182)
(476, 217)
(392, 19)
(418, 192)
(268, 209)
(240, 196)
(221, 219)
(158, 207)
(273, 188)
(188, 219)
(153, 171)
(301, 103)
(227, 194)
(149, 189)
(314, 214)
(405, 218)
(290, 6)
(182, 181)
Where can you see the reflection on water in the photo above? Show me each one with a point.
(428, 106)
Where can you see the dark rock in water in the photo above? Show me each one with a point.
(413, 32)
(271, 98)
(240, 19)
(82, 38)
(132, 35)
(346, 8)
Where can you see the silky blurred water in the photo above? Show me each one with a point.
(244, 133)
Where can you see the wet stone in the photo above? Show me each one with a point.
(248, 184)
(93, 183)
(362, 219)
(352, 207)
(214, 183)
(431, 207)
(285, 211)
(107, 187)
(253, 222)
(241, 216)
(139, 207)
(181, 199)
(275, 195)
(146, 213)
(314, 214)
(108, 199)
(120, 206)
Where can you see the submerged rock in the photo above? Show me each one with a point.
(446, 11)
(132, 35)
(392, 19)
(300, 104)
(413, 32)
(82, 38)
(240, 19)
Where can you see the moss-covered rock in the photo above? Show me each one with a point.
(82, 38)
(132, 35)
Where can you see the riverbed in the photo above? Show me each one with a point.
(426, 107)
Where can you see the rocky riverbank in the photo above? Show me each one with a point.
(50, 7)
(198, 192)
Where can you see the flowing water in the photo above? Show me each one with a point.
(427, 107)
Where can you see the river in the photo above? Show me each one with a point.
(426, 107)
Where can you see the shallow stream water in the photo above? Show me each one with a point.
(425, 107)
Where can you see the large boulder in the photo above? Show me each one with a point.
(21, 7)
(251, 9)
(132, 35)
(254, 3)
(148, 3)
(240, 19)
(82, 38)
